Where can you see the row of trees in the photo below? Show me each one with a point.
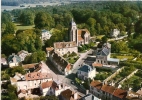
(99, 21)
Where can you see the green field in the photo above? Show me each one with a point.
(22, 27)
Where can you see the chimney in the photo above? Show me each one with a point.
(87, 92)
(75, 95)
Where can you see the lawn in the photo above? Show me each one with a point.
(23, 27)
(125, 57)
(121, 57)
(99, 37)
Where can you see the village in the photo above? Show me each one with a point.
(71, 72)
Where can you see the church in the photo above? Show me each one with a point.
(80, 36)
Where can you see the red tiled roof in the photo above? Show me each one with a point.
(108, 89)
(68, 67)
(97, 65)
(96, 84)
(37, 75)
(120, 93)
(81, 32)
(69, 95)
(49, 84)
(49, 48)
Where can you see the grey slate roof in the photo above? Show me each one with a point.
(10, 58)
(86, 68)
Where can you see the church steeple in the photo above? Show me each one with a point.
(72, 33)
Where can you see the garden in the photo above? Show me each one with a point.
(135, 82)
(85, 47)
(103, 74)
(124, 73)
(71, 57)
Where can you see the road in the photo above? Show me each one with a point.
(68, 79)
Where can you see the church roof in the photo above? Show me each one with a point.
(81, 33)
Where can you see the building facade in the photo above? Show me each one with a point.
(103, 57)
(65, 47)
(86, 72)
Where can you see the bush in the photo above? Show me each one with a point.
(65, 55)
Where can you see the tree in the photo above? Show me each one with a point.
(43, 20)
(138, 27)
(27, 18)
(11, 71)
(10, 28)
(35, 57)
(7, 44)
(117, 47)
(104, 39)
(91, 22)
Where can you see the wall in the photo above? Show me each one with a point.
(113, 75)
(121, 82)
(13, 64)
(66, 50)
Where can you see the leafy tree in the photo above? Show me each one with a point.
(43, 20)
(27, 18)
(7, 42)
(35, 57)
(138, 27)
(104, 39)
(119, 46)
(10, 28)
(11, 71)
(6, 17)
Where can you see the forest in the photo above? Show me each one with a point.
(98, 17)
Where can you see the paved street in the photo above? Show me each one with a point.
(80, 61)
(68, 79)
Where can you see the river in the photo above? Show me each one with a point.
(32, 5)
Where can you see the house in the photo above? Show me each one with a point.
(3, 61)
(52, 88)
(95, 88)
(30, 80)
(45, 35)
(80, 36)
(107, 92)
(103, 57)
(86, 71)
(14, 60)
(69, 95)
(22, 54)
(114, 33)
(48, 88)
(89, 97)
(60, 63)
(119, 94)
(64, 47)
(133, 96)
